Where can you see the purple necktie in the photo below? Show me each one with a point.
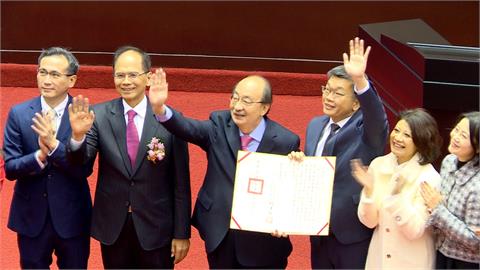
(132, 137)
(245, 139)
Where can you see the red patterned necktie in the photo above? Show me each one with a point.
(132, 137)
(245, 139)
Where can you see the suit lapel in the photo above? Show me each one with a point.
(318, 135)
(268, 140)
(233, 137)
(64, 129)
(117, 123)
(150, 127)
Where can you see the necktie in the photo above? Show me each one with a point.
(132, 137)
(333, 128)
(245, 139)
(52, 116)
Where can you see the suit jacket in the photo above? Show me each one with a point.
(399, 219)
(60, 189)
(219, 138)
(158, 193)
(364, 137)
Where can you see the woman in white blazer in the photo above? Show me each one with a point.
(391, 202)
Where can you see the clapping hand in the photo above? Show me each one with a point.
(356, 64)
(399, 184)
(81, 117)
(360, 173)
(45, 128)
(430, 195)
(158, 92)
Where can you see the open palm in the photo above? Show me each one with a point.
(356, 63)
(158, 92)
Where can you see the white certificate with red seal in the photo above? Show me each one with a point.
(273, 192)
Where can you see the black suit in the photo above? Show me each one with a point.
(158, 194)
(219, 138)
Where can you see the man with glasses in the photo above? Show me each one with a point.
(51, 205)
(244, 127)
(141, 214)
(354, 125)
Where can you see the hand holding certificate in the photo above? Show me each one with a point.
(273, 192)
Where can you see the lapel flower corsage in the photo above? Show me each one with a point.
(156, 150)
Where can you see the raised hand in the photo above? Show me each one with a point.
(360, 173)
(356, 64)
(81, 117)
(158, 92)
(45, 128)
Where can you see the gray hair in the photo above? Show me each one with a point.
(73, 64)
(146, 61)
(340, 72)
(267, 89)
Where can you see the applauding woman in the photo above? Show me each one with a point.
(455, 212)
(391, 201)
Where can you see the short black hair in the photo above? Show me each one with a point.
(474, 123)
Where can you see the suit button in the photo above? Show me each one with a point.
(45, 195)
(132, 183)
(127, 203)
(389, 256)
(387, 230)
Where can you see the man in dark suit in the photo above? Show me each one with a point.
(141, 213)
(220, 138)
(51, 205)
(356, 115)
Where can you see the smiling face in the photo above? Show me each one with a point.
(131, 89)
(339, 102)
(53, 80)
(460, 144)
(401, 142)
(246, 108)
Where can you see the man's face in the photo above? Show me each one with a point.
(52, 79)
(130, 78)
(339, 101)
(245, 109)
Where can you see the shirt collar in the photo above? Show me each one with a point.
(257, 133)
(340, 123)
(140, 109)
(59, 109)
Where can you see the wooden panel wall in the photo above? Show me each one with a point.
(311, 30)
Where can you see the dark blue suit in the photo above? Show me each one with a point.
(219, 138)
(364, 137)
(55, 199)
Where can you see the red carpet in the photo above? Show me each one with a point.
(292, 111)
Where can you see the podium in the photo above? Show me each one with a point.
(413, 66)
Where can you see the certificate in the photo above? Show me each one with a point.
(272, 192)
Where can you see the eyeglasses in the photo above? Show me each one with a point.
(245, 101)
(53, 74)
(131, 75)
(336, 94)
